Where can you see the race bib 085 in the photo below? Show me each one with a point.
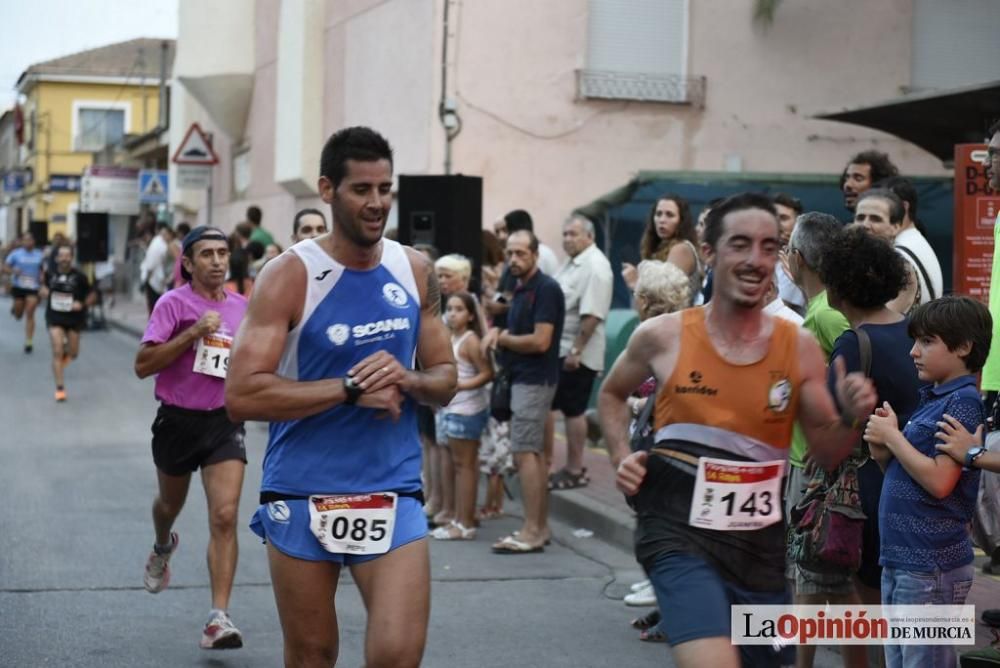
(353, 523)
(736, 496)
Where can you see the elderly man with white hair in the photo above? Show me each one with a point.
(586, 281)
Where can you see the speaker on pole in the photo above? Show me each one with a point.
(91, 237)
(445, 212)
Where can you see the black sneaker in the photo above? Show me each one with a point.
(28, 348)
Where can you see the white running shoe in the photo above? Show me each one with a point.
(157, 575)
(221, 633)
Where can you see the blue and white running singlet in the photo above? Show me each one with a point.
(347, 316)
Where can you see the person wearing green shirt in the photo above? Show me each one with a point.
(805, 250)
(811, 237)
(259, 234)
(991, 372)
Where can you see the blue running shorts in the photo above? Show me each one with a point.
(285, 524)
(695, 603)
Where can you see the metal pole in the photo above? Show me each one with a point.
(211, 178)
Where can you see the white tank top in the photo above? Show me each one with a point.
(466, 402)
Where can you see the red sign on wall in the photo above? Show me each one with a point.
(976, 209)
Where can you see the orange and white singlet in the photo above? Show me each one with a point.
(714, 479)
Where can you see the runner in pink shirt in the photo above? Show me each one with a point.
(187, 343)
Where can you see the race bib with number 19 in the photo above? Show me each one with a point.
(736, 496)
(353, 523)
(212, 355)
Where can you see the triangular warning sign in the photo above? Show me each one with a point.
(195, 149)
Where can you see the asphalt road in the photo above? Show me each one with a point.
(77, 480)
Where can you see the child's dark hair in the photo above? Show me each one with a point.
(956, 320)
(470, 305)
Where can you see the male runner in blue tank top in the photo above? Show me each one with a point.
(327, 354)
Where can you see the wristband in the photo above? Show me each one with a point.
(352, 390)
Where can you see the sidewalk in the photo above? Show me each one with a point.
(599, 507)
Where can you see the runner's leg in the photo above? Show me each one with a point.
(73, 349)
(396, 591)
(718, 652)
(57, 335)
(304, 592)
(17, 310)
(168, 503)
(223, 483)
(30, 304)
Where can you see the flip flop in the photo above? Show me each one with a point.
(511, 545)
(548, 541)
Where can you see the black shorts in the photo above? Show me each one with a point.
(426, 423)
(21, 293)
(74, 322)
(184, 439)
(573, 392)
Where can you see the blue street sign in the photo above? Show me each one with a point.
(13, 182)
(152, 186)
(64, 183)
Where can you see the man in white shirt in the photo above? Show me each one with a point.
(913, 245)
(587, 281)
(156, 270)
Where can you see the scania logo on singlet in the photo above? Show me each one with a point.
(696, 387)
(340, 333)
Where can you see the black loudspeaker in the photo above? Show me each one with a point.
(445, 212)
(91, 237)
(40, 231)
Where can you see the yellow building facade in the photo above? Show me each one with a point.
(74, 107)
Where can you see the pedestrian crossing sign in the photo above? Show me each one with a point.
(153, 186)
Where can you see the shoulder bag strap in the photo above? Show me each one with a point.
(865, 348)
(920, 266)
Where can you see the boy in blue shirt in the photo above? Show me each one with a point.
(928, 498)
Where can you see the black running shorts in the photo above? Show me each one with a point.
(184, 439)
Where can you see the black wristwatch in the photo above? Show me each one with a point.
(972, 455)
(352, 390)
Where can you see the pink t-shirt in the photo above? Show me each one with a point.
(178, 384)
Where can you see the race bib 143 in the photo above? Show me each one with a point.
(736, 496)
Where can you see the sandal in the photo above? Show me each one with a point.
(653, 635)
(454, 531)
(511, 545)
(647, 621)
(563, 479)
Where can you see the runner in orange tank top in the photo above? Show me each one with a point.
(731, 381)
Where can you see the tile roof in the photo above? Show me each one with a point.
(112, 60)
